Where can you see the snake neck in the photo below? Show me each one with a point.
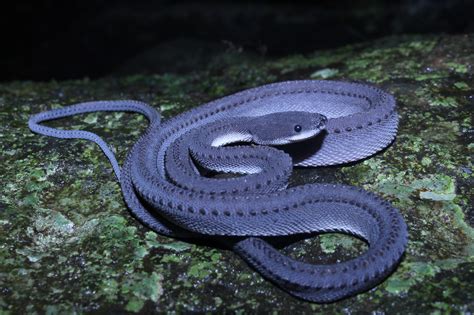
(222, 133)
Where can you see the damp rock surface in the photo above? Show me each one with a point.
(69, 245)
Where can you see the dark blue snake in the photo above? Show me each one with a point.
(256, 136)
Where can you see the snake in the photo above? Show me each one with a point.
(220, 171)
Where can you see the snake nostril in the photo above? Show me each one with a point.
(322, 122)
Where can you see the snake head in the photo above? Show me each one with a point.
(286, 127)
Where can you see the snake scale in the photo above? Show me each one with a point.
(257, 135)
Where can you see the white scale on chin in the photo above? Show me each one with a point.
(303, 135)
(231, 137)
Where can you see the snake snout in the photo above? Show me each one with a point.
(321, 122)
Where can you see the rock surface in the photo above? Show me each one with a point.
(69, 245)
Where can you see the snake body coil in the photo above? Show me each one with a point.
(164, 189)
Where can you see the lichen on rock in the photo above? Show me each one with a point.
(69, 245)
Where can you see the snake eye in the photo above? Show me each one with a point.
(297, 128)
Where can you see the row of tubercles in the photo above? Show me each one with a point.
(200, 117)
(262, 96)
(257, 187)
(329, 270)
(367, 124)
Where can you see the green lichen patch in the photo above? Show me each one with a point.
(324, 73)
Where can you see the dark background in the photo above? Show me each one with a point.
(54, 39)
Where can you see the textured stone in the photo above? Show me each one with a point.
(69, 245)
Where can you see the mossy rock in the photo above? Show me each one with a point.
(69, 245)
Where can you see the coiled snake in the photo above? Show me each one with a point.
(319, 122)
